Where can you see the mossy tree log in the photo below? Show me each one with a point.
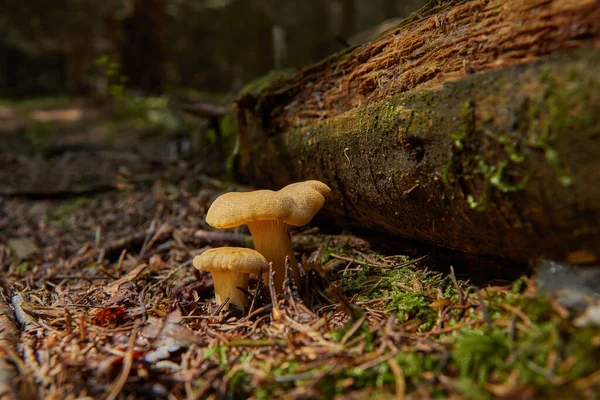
(472, 124)
(504, 163)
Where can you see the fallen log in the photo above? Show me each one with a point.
(504, 162)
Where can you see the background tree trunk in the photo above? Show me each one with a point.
(504, 163)
(143, 49)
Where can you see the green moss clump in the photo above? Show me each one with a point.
(60, 216)
(560, 112)
(477, 352)
(271, 78)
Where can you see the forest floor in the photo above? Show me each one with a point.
(108, 305)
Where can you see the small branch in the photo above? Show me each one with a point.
(256, 292)
(221, 306)
(355, 327)
(27, 321)
(117, 386)
(276, 311)
(398, 377)
(344, 305)
(290, 290)
(484, 312)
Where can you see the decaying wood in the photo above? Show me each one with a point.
(503, 163)
(441, 42)
(470, 125)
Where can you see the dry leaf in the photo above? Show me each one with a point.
(113, 287)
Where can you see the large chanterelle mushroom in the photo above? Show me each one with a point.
(269, 215)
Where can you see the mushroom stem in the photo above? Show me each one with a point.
(272, 240)
(226, 285)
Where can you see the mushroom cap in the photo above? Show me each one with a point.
(295, 204)
(234, 259)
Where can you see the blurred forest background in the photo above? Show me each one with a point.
(52, 47)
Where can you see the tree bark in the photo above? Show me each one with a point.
(441, 42)
(503, 163)
(144, 46)
(472, 125)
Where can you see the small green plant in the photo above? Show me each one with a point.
(477, 352)
(147, 113)
(327, 250)
(24, 267)
(219, 353)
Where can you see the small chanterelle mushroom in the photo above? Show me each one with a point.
(229, 267)
(269, 215)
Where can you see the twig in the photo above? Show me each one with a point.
(84, 277)
(221, 306)
(266, 308)
(68, 321)
(461, 299)
(518, 313)
(173, 272)
(484, 312)
(410, 262)
(345, 306)
(300, 376)
(355, 327)
(146, 239)
(141, 299)
(375, 362)
(148, 243)
(356, 261)
(117, 386)
(119, 267)
(276, 311)
(512, 331)
(107, 273)
(258, 286)
(82, 328)
(27, 321)
(367, 263)
(290, 290)
(255, 343)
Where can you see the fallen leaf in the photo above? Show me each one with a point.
(125, 292)
(170, 338)
(113, 287)
(23, 248)
(110, 317)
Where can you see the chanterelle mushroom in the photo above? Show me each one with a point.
(269, 215)
(229, 267)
